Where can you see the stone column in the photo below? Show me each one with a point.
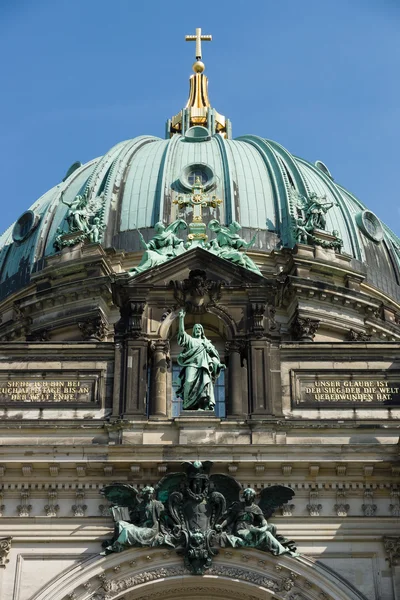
(158, 389)
(235, 406)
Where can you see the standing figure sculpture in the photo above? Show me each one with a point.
(77, 215)
(162, 247)
(201, 366)
(316, 212)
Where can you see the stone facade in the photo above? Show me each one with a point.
(87, 369)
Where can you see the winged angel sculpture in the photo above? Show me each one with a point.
(196, 513)
(85, 219)
(314, 209)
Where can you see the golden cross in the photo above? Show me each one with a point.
(197, 200)
(198, 38)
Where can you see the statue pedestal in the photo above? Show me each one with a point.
(324, 235)
(197, 413)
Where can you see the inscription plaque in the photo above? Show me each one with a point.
(339, 388)
(52, 387)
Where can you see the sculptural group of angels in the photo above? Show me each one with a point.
(195, 513)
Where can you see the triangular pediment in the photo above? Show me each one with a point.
(217, 269)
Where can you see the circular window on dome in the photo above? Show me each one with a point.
(370, 225)
(25, 225)
(197, 173)
(322, 167)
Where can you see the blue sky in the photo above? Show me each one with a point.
(319, 77)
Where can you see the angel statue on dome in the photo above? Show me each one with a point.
(77, 216)
(163, 246)
(201, 366)
(229, 245)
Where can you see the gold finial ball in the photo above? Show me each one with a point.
(198, 66)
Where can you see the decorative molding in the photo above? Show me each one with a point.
(79, 508)
(304, 329)
(93, 329)
(341, 470)
(257, 318)
(313, 508)
(130, 322)
(197, 292)
(358, 336)
(51, 509)
(5, 547)
(27, 470)
(108, 470)
(392, 549)
(287, 470)
(369, 508)
(105, 510)
(395, 506)
(368, 470)
(24, 509)
(54, 470)
(341, 508)
(287, 510)
(81, 470)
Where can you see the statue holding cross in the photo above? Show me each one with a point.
(197, 200)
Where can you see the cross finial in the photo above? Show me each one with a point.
(198, 38)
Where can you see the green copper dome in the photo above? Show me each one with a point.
(255, 182)
(139, 179)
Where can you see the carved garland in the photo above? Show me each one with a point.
(109, 588)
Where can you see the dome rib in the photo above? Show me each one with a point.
(280, 188)
(229, 200)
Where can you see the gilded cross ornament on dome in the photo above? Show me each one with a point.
(197, 200)
(198, 66)
(198, 110)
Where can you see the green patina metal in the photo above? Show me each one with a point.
(85, 220)
(138, 178)
(201, 367)
(230, 246)
(162, 247)
(310, 227)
